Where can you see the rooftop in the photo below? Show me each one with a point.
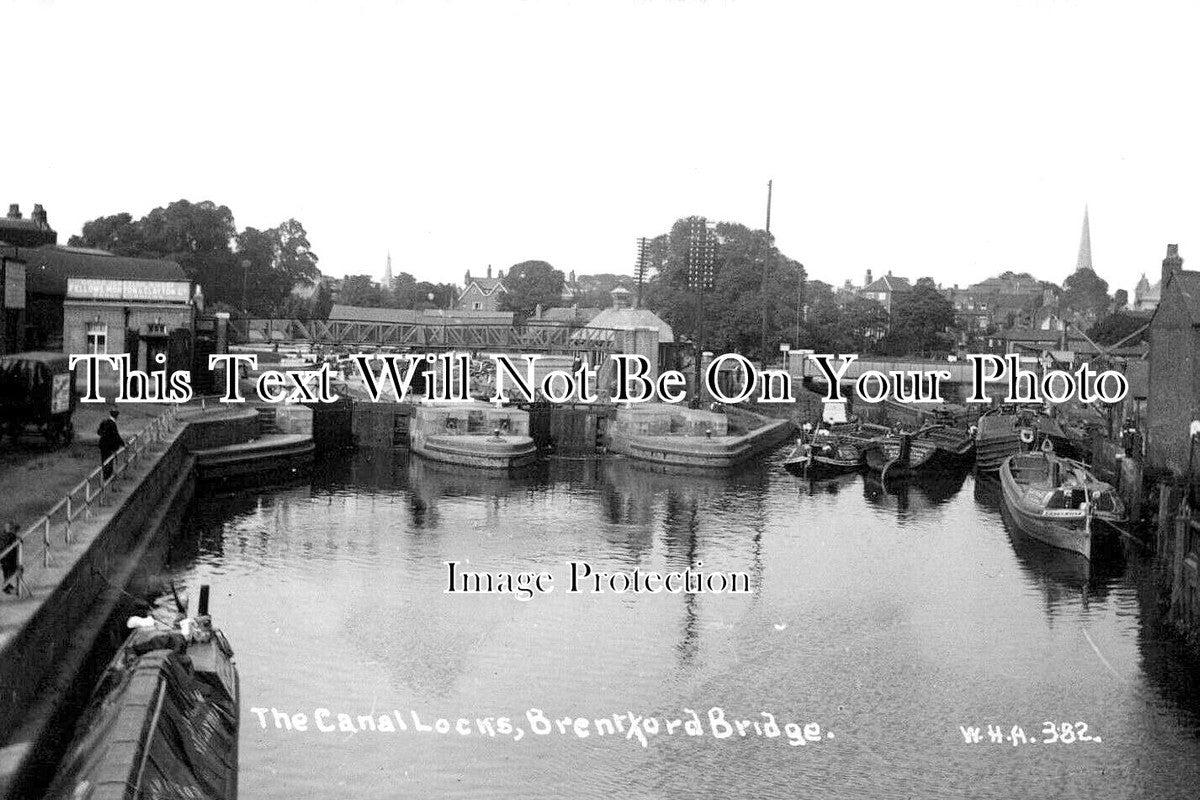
(47, 268)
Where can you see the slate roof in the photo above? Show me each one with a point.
(486, 285)
(47, 268)
(1187, 285)
(630, 318)
(888, 283)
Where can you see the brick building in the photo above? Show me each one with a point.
(81, 300)
(17, 234)
(1174, 394)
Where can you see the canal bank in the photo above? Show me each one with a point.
(889, 616)
(81, 572)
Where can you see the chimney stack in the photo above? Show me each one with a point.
(1170, 265)
(868, 282)
(14, 210)
(39, 216)
(489, 273)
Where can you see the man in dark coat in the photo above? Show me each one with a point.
(110, 441)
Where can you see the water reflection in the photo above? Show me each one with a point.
(915, 494)
(890, 614)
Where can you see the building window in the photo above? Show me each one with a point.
(156, 327)
(97, 338)
(477, 306)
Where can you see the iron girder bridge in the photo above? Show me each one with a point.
(425, 337)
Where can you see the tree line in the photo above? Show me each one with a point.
(759, 297)
(251, 271)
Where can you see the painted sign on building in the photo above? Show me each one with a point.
(132, 291)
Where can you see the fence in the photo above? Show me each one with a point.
(53, 529)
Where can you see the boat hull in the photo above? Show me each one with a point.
(888, 454)
(1066, 529)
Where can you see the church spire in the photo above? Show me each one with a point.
(387, 273)
(1085, 245)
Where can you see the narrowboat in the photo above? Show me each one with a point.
(1055, 499)
(1008, 431)
(162, 720)
(899, 453)
(825, 453)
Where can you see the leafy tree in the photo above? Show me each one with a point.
(595, 291)
(360, 290)
(1085, 293)
(1120, 300)
(204, 240)
(920, 319)
(865, 322)
(1115, 327)
(530, 284)
(750, 277)
(117, 234)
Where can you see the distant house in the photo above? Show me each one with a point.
(883, 290)
(1173, 400)
(20, 232)
(482, 294)
(1145, 295)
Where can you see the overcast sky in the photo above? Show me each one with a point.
(954, 140)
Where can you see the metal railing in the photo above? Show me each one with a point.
(53, 529)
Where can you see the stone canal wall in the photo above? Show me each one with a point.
(56, 638)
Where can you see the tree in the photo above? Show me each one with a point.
(1120, 300)
(920, 319)
(204, 240)
(117, 234)
(864, 322)
(360, 290)
(750, 276)
(1085, 293)
(1115, 327)
(530, 284)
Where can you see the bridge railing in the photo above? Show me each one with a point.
(531, 337)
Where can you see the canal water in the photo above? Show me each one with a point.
(886, 630)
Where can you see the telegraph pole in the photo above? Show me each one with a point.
(769, 183)
(702, 256)
(763, 291)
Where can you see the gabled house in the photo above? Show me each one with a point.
(883, 290)
(481, 294)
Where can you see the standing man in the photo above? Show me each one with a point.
(110, 441)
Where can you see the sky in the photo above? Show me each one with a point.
(952, 140)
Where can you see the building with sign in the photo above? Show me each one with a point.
(82, 300)
(12, 300)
